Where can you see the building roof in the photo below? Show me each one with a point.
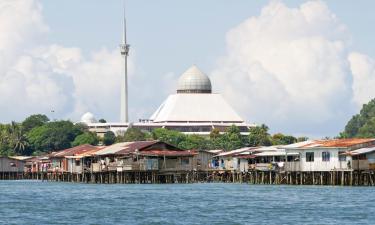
(22, 158)
(335, 143)
(167, 153)
(240, 151)
(275, 153)
(112, 149)
(194, 81)
(195, 108)
(362, 151)
(131, 147)
(73, 151)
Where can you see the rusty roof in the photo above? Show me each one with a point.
(146, 146)
(81, 149)
(125, 147)
(335, 143)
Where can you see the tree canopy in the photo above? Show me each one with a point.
(362, 124)
(131, 134)
(109, 138)
(37, 135)
(259, 136)
(53, 136)
(86, 138)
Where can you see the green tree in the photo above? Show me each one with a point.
(109, 138)
(132, 134)
(17, 139)
(86, 138)
(193, 142)
(367, 130)
(53, 136)
(232, 139)
(32, 121)
(102, 121)
(169, 136)
(5, 145)
(301, 139)
(258, 136)
(362, 124)
(215, 133)
(281, 139)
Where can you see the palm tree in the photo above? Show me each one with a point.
(17, 138)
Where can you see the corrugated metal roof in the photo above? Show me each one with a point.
(167, 153)
(237, 151)
(22, 158)
(362, 151)
(125, 147)
(275, 153)
(335, 143)
(73, 151)
(112, 149)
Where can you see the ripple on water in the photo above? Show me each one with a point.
(30, 202)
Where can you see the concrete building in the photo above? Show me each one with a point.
(193, 109)
(337, 154)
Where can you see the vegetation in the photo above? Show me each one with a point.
(361, 125)
(86, 138)
(109, 138)
(38, 135)
(102, 121)
(131, 134)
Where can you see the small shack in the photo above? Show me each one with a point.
(205, 159)
(70, 160)
(12, 163)
(143, 156)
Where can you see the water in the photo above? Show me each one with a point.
(33, 202)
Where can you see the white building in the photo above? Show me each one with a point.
(328, 155)
(193, 109)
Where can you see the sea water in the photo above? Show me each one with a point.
(36, 202)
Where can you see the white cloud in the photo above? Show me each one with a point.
(40, 78)
(363, 70)
(288, 68)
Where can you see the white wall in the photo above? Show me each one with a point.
(318, 164)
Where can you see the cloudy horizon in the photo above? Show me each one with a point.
(301, 69)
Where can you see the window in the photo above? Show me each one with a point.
(342, 157)
(78, 162)
(326, 156)
(185, 161)
(309, 156)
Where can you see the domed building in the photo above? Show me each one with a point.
(194, 102)
(88, 118)
(192, 109)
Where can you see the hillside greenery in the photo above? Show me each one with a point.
(361, 125)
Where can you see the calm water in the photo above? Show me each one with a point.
(32, 202)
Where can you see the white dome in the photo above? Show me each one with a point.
(88, 118)
(194, 81)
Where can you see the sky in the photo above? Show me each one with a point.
(301, 67)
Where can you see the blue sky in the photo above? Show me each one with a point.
(302, 68)
(171, 35)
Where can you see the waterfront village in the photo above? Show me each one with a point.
(332, 162)
(194, 110)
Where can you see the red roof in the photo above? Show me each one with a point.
(78, 150)
(146, 146)
(338, 142)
